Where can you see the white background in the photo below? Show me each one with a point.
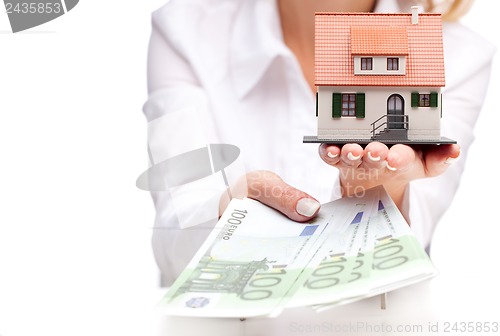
(75, 253)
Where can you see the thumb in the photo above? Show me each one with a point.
(268, 188)
(439, 159)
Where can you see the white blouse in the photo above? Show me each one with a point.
(220, 73)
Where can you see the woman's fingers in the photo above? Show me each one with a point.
(400, 158)
(270, 189)
(329, 153)
(377, 164)
(359, 168)
(375, 155)
(439, 159)
(349, 156)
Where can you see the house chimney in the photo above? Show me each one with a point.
(414, 15)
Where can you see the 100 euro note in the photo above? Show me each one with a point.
(341, 266)
(398, 257)
(247, 264)
(394, 256)
(256, 261)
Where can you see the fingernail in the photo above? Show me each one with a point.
(307, 207)
(351, 156)
(389, 167)
(331, 156)
(373, 158)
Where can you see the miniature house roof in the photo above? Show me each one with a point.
(389, 41)
(341, 36)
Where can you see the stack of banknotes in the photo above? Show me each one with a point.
(257, 262)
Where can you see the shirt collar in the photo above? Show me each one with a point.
(255, 42)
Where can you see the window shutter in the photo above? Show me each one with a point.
(434, 99)
(337, 105)
(360, 105)
(414, 99)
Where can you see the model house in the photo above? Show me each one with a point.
(379, 77)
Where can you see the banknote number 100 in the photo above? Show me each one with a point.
(262, 282)
(388, 255)
(328, 274)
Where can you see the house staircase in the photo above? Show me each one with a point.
(395, 128)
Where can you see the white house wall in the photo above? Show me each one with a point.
(424, 122)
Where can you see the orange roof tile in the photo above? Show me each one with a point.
(386, 40)
(341, 35)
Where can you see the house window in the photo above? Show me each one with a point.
(348, 105)
(392, 63)
(366, 63)
(424, 99)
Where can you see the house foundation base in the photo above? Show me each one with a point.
(441, 141)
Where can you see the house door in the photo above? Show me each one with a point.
(395, 112)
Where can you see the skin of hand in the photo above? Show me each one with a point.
(394, 167)
(359, 169)
(268, 188)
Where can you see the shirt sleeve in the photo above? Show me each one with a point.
(467, 77)
(175, 110)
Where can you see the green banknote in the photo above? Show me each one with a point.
(394, 260)
(247, 264)
(342, 265)
(256, 262)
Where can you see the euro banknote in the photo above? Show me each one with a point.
(256, 262)
(248, 263)
(394, 258)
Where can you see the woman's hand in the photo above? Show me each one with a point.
(268, 188)
(359, 168)
(393, 167)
